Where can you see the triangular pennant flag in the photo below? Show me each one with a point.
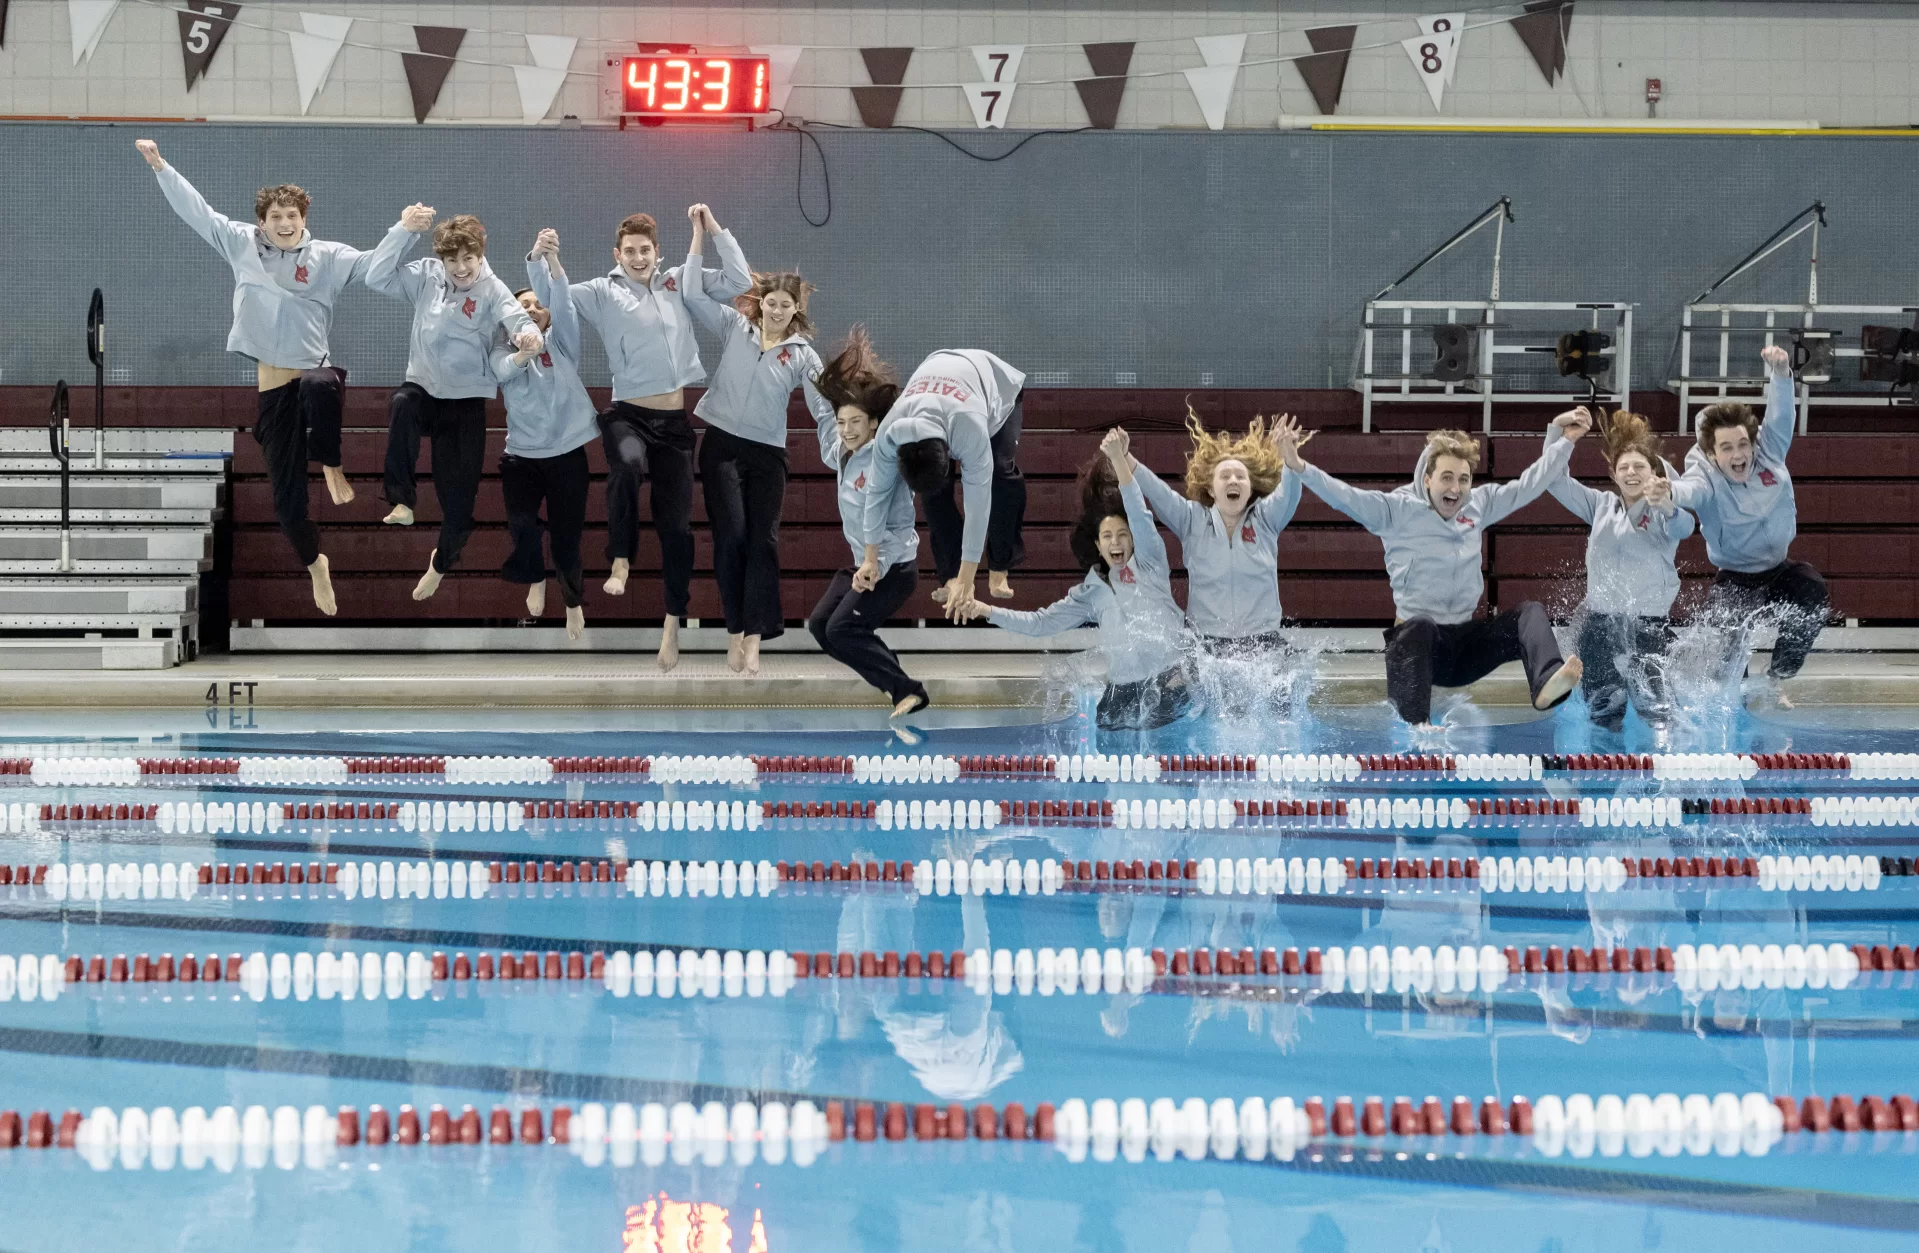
(1543, 30)
(552, 52)
(539, 87)
(426, 70)
(313, 51)
(1221, 49)
(1439, 24)
(998, 63)
(88, 21)
(886, 67)
(780, 58)
(1213, 88)
(1109, 60)
(203, 27)
(1432, 58)
(991, 102)
(1325, 68)
(1100, 96)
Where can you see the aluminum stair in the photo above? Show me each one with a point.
(141, 534)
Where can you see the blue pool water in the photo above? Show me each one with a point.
(922, 1041)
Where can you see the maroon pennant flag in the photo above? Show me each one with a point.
(1100, 95)
(887, 68)
(1325, 69)
(426, 70)
(203, 27)
(1543, 28)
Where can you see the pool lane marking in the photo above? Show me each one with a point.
(263, 1059)
(1711, 1196)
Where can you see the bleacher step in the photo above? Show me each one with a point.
(86, 654)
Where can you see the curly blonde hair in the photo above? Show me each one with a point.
(1452, 444)
(1262, 461)
(1626, 432)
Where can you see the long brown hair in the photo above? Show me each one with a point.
(1099, 499)
(857, 376)
(1624, 432)
(748, 302)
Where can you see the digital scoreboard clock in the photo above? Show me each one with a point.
(693, 85)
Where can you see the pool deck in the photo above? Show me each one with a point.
(986, 680)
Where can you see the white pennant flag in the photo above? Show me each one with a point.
(552, 52)
(1432, 58)
(539, 87)
(991, 103)
(1213, 85)
(780, 58)
(998, 63)
(313, 51)
(88, 19)
(1439, 24)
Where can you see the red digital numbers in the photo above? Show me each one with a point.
(695, 86)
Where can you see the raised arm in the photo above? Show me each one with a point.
(732, 278)
(819, 406)
(387, 272)
(1372, 510)
(1497, 500)
(1582, 501)
(547, 277)
(1075, 609)
(229, 238)
(1782, 419)
(1181, 516)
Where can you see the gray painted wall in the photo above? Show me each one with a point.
(1173, 257)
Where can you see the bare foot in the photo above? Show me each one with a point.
(616, 581)
(536, 599)
(736, 653)
(430, 581)
(1564, 680)
(998, 586)
(670, 644)
(337, 485)
(322, 575)
(753, 655)
(575, 622)
(912, 704)
(399, 515)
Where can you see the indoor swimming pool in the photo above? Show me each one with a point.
(447, 980)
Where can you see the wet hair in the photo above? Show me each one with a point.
(1716, 418)
(1262, 461)
(1627, 432)
(457, 235)
(637, 224)
(926, 465)
(1099, 499)
(279, 193)
(748, 303)
(1452, 444)
(857, 376)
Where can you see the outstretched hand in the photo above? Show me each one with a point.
(1659, 494)
(1574, 423)
(417, 217)
(1775, 359)
(528, 341)
(1116, 446)
(151, 152)
(547, 243)
(1288, 437)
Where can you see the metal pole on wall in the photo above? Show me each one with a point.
(57, 437)
(97, 351)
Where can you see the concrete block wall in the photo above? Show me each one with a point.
(1836, 64)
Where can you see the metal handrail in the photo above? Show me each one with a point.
(57, 431)
(97, 353)
(1500, 211)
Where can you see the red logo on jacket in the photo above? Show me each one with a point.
(859, 484)
(299, 274)
(1464, 521)
(1769, 478)
(469, 307)
(1246, 533)
(1126, 574)
(786, 356)
(669, 284)
(546, 359)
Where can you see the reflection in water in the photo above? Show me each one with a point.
(663, 1225)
